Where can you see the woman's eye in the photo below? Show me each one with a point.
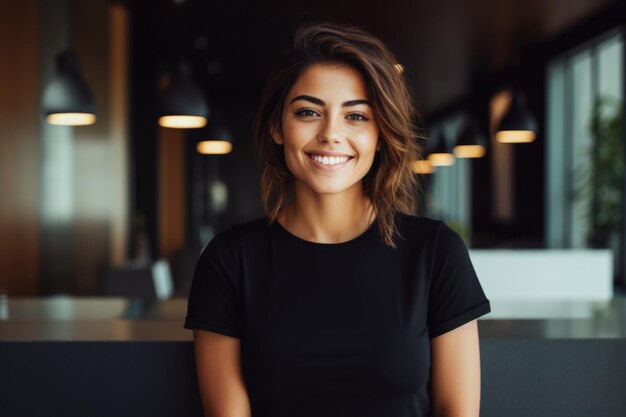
(306, 113)
(357, 117)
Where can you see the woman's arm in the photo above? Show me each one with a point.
(455, 372)
(220, 379)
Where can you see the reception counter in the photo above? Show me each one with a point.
(118, 357)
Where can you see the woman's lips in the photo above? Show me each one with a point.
(323, 167)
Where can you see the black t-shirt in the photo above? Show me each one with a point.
(339, 329)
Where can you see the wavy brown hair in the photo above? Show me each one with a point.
(390, 184)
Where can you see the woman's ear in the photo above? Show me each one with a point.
(277, 135)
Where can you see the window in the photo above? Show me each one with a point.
(575, 81)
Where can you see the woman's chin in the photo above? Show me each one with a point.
(328, 189)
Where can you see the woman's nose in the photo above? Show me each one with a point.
(330, 131)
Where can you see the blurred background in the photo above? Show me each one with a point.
(125, 131)
(119, 189)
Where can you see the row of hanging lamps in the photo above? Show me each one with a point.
(518, 124)
(67, 100)
(181, 103)
(470, 143)
(183, 106)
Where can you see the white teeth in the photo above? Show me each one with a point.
(329, 160)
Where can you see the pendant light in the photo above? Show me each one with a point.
(471, 142)
(67, 100)
(518, 124)
(441, 155)
(181, 104)
(214, 139)
(423, 166)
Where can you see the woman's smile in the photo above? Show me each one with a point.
(327, 162)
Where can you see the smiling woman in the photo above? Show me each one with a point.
(355, 80)
(339, 301)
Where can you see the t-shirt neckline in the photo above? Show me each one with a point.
(281, 230)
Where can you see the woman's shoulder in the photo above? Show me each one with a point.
(246, 232)
(416, 224)
(442, 234)
(232, 241)
(430, 231)
(256, 225)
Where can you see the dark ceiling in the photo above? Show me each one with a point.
(235, 44)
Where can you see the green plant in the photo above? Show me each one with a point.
(607, 171)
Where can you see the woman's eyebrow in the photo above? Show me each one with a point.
(321, 102)
(351, 103)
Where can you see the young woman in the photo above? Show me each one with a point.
(340, 301)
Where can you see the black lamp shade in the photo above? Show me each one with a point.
(67, 92)
(471, 142)
(441, 155)
(518, 123)
(182, 97)
(215, 138)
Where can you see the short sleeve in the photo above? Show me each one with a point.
(456, 296)
(213, 297)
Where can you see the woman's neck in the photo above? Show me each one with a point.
(328, 218)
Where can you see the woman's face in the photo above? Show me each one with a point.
(329, 130)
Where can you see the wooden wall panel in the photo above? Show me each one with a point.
(171, 191)
(19, 147)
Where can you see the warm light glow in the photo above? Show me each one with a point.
(182, 122)
(423, 166)
(441, 159)
(469, 151)
(71, 119)
(515, 136)
(212, 147)
(399, 68)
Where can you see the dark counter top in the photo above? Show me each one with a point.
(119, 319)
